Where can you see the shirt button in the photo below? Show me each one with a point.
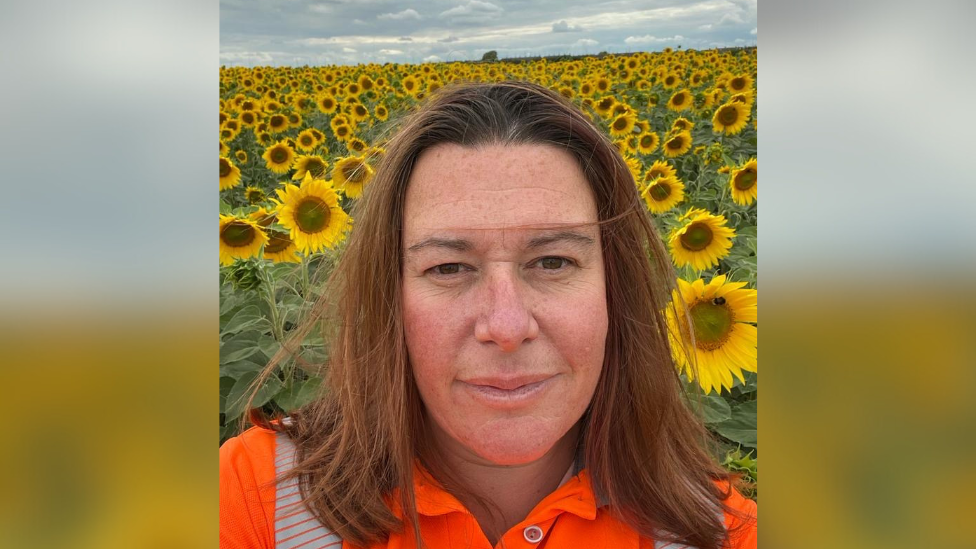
(533, 534)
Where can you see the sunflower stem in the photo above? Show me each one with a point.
(305, 282)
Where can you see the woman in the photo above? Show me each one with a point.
(500, 374)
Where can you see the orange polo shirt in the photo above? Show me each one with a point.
(567, 518)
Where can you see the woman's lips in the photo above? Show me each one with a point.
(507, 391)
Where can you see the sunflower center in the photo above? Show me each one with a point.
(728, 115)
(354, 172)
(676, 143)
(315, 167)
(277, 241)
(646, 141)
(713, 324)
(312, 215)
(745, 180)
(619, 124)
(678, 99)
(224, 167)
(237, 234)
(279, 156)
(306, 140)
(738, 83)
(660, 191)
(697, 237)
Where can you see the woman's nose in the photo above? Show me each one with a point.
(506, 318)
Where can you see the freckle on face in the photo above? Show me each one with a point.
(502, 323)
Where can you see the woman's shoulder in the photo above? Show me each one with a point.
(741, 522)
(247, 489)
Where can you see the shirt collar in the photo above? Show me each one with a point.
(574, 495)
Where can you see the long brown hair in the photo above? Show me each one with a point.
(643, 448)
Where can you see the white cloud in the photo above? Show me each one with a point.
(449, 39)
(475, 11)
(648, 39)
(391, 52)
(563, 26)
(405, 14)
(753, 32)
(348, 50)
(320, 8)
(585, 42)
(359, 21)
(707, 27)
(730, 19)
(431, 59)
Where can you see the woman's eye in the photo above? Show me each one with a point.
(447, 269)
(553, 263)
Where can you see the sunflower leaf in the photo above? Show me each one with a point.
(714, 409)
(241, 346)
(226, 384)
(238, 368)
(741, 427)
(248, 317)
(237, 398)
(300, 394)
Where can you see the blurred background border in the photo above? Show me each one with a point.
(108, 291)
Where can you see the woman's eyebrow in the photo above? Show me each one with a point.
(561, 236)
(456, 244)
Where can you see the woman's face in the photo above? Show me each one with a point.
(504, 296)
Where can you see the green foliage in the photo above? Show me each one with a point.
(491, 55)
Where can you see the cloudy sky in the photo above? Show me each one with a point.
(344, 32)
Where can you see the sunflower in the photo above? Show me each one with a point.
(381, 112)
(682, 123)
(411, 86)
(312, 215)
(730, 118)
(254, 195)
(739, 84)
(680, 101)
(224, 149)
(677, 144)
(230, 175)
(605, 105)
(343, 132)
(711, 331)
(249, 118)
(743, 184)
(702, 241)
(279, 157)
(239, 238)
(648, 142)
(660, 168)
(671, 81)
(663, 194)
(280, 248)
(313, 164)
(306, 141)
(623, 124)
(327, 104)
(241, 156)
(277, 123)
(351, 174)
(356, 146)
(359, 112)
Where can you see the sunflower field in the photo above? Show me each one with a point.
(298, 145)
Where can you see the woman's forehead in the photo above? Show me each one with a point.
(496, 187)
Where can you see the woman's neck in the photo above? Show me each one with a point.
(501, 496)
